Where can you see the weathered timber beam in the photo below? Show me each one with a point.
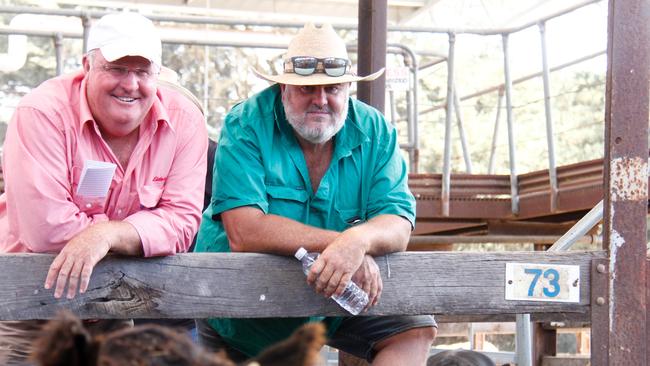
(260, 285)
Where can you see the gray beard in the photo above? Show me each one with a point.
(317, 135)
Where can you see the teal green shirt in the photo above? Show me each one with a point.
(259, 163)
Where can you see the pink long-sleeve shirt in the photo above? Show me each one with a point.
(51, 135)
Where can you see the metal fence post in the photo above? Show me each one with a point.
(446, 169)
(552, 174)
(511, 138)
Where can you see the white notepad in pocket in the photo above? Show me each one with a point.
(96, 178)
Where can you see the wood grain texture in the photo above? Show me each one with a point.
(261, 285)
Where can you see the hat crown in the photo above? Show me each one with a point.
(318, 42)
(125, 34)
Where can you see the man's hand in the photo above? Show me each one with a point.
(369, 279)
(76, 261)
(338, 262)
(74, 264)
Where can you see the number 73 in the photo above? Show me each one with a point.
(552, 289)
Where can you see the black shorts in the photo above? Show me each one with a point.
(358, 335)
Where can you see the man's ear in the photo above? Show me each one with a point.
(282, 87)
(85, 61)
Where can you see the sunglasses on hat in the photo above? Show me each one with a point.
(307, 65)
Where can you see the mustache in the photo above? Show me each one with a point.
(315, 108)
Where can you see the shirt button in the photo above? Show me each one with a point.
(89, 205)
(119, 212)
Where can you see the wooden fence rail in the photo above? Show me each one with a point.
(261, 285)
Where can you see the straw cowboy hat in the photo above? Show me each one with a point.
(318, 43)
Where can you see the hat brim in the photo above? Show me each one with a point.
(316, 78)
(116, 51)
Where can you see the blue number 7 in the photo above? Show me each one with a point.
(534, 271)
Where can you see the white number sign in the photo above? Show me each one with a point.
(542, 282)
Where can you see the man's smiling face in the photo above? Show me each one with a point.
(119, 102)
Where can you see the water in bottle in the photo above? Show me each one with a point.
(353, 298)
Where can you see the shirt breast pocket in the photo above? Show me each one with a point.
(149, 196)
(88, 205)
(348, 217)
(287, 201)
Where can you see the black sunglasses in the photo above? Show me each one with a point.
(307, 65)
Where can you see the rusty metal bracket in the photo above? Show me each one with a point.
(599, 311)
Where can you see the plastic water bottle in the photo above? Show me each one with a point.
(353, 298)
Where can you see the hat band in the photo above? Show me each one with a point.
(307, 65)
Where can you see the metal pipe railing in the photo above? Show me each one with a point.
(516, 81)
(524, 340)
(206, 81)
(393, 107)
(413, 146)
(552, 173)
(461, 132)
(58, 44)
(414, 116)
(410, 130)
(192, 19)
(494, 31)
(165, 40)
(446, 169)
(433, 63)
(579, 229)
(85, 23)
(495, 134)
(423, 240)
(514, 194)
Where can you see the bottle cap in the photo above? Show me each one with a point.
(300, 253)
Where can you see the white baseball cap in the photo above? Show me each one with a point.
(124, 34)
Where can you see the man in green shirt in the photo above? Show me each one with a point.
(303, 164)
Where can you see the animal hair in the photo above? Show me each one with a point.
(302, 348)
(66, 342)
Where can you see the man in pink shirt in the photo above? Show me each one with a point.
(115, 115)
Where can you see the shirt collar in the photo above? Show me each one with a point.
(156, 113)
(351, 135)
(85, 115)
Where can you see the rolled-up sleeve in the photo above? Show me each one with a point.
(389, 192)
(170, 227)
(239, 171)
